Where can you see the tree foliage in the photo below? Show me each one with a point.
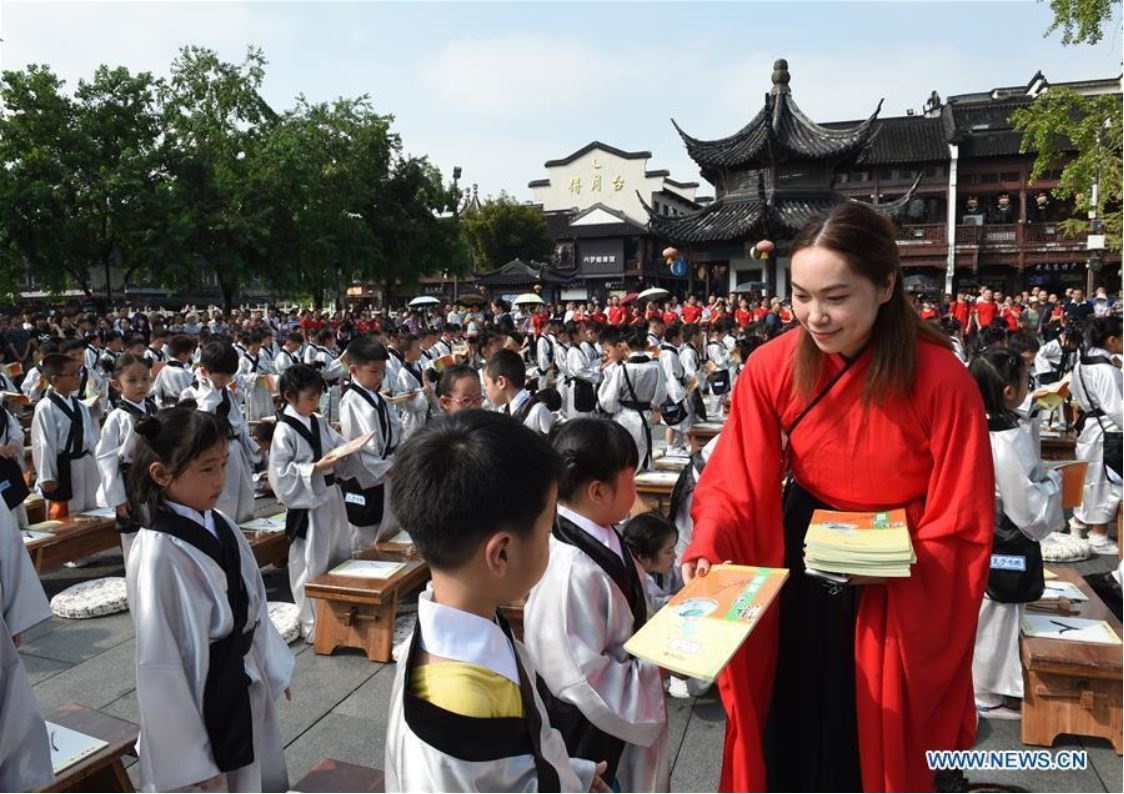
(1081, 21)
(503, 229)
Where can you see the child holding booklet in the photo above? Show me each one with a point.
(63, 438)
(303, 480)
(210, 664)
(1028, 507)
(464, 711)
(591, 600)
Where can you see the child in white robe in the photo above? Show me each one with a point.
(583, 368)
(210, 664)
(363, 410)
(63, 438)
(176, 374)
(25, 751)
(218, 364)
(634, 386)
(504, 379)
(464, 711)
(608, 704)
(324, 358)
(412, 389)
(1028, 506)
(254, 373)
(114, 453)
(303, 481)
(11, 447)
(675, 413)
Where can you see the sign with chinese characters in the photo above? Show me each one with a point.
(595, 183)
(601, 256)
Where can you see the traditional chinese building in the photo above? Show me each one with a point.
(770, 178)
(596, 204)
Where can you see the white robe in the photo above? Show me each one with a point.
(296, 486)
(34, 386)
(576, 623)
(1031, 497)
(237, 498)
(177, 596)
(580, 365)
(648, 382)
(285, 359)
(13, 433)
(25, 752)
(538, 418)
(413, 764)
(415, 411)
(675, 378)
(1098, 385)
(252, 373)
(49, 430)
(375, 459)
(327, 363)
(170, 383)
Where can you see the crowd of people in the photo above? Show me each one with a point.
(175, 420)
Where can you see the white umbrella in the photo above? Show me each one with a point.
(425, 300)
(528, 297)
(653, 293)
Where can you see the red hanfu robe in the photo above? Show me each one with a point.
(914, 637)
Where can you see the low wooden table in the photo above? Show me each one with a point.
(513, 614)
(102, 771)
(1072, 687)
(1058, 448)
(330, 776)
(36, 508)
(355, 612)
(653, 491)
(74, 539)
(270, 548)
(703, 432)
(674, 463)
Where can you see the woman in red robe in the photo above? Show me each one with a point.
(846, 688)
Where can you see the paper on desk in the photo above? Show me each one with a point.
(1056, 590)
(274, 523)
(98, 512)
(368, 569)
(68, 747)
(30, 536)
(45, 526)
(1069, 629)
(657, 478)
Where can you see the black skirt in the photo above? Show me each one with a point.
(811, 734)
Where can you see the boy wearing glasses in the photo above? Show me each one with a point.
(363, 409)
(459, 389)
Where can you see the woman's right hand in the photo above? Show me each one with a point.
(699, 567)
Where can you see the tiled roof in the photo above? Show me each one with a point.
(904, 139)
(517, 272)
(589, 147)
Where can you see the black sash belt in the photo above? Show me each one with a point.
(296, 519)
(71, 451)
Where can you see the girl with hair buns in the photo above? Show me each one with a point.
(863, 407)
(210, 664)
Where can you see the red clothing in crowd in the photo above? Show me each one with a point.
(959, 310)
(930, 313)
(598, 316)
(670, 317)
(691, 314)
(914, 637)
(617, 315)
(759, 313)
(743, 317)
(538, 322)
(786, 315)
(985, 312)
(1011, 315)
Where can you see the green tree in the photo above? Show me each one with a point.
(215, 121)
(503, 229)
(1081, 21)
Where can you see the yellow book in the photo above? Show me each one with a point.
(701, 628)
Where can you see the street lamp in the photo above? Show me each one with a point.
(456, 218)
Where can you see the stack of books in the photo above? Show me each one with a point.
(859, 544)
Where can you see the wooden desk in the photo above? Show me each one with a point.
(354, 612)
(653, 491)
(674, 463)
(513, 614)
(1058, 448)
(36, 508)
(1072, 687)
(330, 776)
(703, 432)
(74, 539)
(270, 548)
(102, 771)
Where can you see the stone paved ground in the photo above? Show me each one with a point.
(339, 708)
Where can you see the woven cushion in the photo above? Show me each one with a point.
(92, 599)
(283, 616)
(403, 628)
(1063, 547)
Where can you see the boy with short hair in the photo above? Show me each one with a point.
(464, 711)
(64, 435)
(176, 375)
(218, 364)
(254, 373)
(504, 380)
(324, 358)
(362, 410)
(290, 353)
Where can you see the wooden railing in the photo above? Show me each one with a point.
(995, 235)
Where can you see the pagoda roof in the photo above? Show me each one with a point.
(779, 128)
(517, 273)
(746, 216)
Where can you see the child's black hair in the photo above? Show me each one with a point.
(252, 337)
(592, 449)
(365, 349)
(219, 357)
(181, 344)
(134, 340)
(262, 432)
(508, 364)
(174, 437)
(993, 336)
(450, 377)
(611, 335)
(551, 398)
(462, 478)
(54, 364)
(70, 345)
(325, 335)
(672, 332)
(300, 378)
(1099, 329)
(295, 338)
(126, 360)
(1022, 342)
(647, 533)
(995, 369)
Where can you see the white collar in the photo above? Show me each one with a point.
(293, 412)
(463, 637)
(603, 535)
(205, 520)
(139, 406)
(518, 400)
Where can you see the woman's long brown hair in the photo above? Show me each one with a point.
(866, 240)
